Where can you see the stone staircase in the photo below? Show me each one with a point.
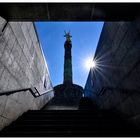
(69, 123)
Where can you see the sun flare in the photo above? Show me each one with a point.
(90, 63)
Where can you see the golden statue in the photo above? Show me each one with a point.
(68, 36)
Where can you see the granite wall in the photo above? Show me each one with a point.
(22, 65)
(115, 83)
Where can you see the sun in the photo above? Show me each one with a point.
(93, 64)
(90, 63)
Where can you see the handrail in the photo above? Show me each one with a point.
(33, 91)
(4, 27)
(45, 92)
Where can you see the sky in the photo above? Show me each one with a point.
(85, 37)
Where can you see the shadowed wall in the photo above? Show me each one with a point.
(116, 82)
(22, 65)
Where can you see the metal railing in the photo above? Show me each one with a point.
(2, 30)
(104, 89)
(33, 91)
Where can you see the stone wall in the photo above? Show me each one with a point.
(116, 81)
(22, 65)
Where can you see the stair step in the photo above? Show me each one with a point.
(34, 122)
(56, 118)
(67, 114)
(68, 127)
(60, 111)
(65, 133)
(66, 123)
(83, 112)
(80, 133)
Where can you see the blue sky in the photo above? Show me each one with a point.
(85, 36)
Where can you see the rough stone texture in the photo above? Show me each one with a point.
(118, 56)
(22, 65)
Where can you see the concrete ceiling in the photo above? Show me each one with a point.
(69, 11)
